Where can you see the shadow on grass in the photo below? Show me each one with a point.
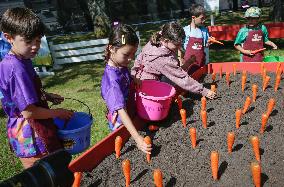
(140, 175)
(172, 182)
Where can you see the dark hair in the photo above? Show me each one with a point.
(23, 22)
(196, 10)
(120, 35)
(172, 31)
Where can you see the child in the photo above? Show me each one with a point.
(252, 36)
(123, 43)
(196, 39)
(158, 61)
(30, 128)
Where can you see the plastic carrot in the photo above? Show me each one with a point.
(148, 141)
(256, 173)
(158, 178)
(214, 164)
(213, 88)
(261, 68)
(277, 82)
(265, 83)
(228, 78)
(221, 72)
(254, 92)
(192, 132)
(126, 171)
(278, 68)
(183, 117)
(117, 147)
(257, 51)
(204, 118)
(179, 102)
(213, 40)
(77, 179)
(213, 76)
(264, 73)
(153, 128)
(246, 105)
(230, 141)
(203, 103)
(255, 145)
(244, 80)
(244, 73)
(235, 69)
(264, 119)
(270, 106)
(238, 118)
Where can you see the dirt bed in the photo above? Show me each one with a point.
(183, 166)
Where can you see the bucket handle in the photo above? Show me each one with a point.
(89, 110)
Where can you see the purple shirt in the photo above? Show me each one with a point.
(18, 90)
(115, 88)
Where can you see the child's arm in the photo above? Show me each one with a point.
(273, 45)
(242, 50)
(35, 112)
(54, 98)
(132, 130)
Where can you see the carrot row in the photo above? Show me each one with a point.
(183, 117)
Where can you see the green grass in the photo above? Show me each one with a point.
(82, 81)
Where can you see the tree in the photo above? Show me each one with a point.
(84, 7)
(277, 12)
(101, 20)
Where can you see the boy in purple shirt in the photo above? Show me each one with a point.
(30, 128)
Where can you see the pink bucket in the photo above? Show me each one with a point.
(154, 99)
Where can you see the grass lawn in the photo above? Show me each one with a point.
(82, 81)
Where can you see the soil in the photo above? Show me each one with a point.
(183, 166)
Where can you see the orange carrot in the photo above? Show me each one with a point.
(238, 118)
(254, 92)
(213, 40)
(192, 132)
(213, 88)
(270, 106)
(158, 178)
(235, 69)
(77, 179)
(244, 73)
(203, 103)
(261, 68)
(183, 117)
(221, 72)
(257, 51)
(148, 141)
(117, 147)
(277, 82)
(244, 80)
(153, 128)
(179, 102)
(263, 122)
(256, 173)
(214, 164)
(278, 67)
(265, 83)
(230, 141)
(255, 145)
(213, 76)
(204, 118)
(246, 105)
(126, 171)
(264, 73)
(228, 78)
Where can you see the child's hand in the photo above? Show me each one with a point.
(274, 47)
(142, 145)
(248, 52)
(211, 95)
(63, 113)
(137, 82)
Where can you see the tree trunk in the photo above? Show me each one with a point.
(235, 5)
(278, 10)
(101, 21)
(84, 7)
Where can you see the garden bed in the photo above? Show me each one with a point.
(183, 166)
